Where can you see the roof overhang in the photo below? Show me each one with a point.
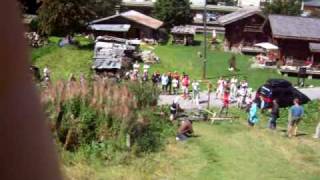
(110, 27)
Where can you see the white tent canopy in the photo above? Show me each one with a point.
(267, 46)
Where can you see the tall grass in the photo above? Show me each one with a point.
(96, 118)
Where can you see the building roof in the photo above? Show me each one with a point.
(312, 3)
(183, 30)
(314, 47)
(239, 14)
(107, 63)
(110, 27)
(295, 27)
(136, 17)
(150, 4)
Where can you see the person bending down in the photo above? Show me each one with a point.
(185, 130)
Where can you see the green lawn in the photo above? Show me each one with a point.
(75, 60)
(64, 61)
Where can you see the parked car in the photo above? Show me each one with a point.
(279, 89)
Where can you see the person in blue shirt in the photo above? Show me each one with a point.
(295, 116)
(253, 114)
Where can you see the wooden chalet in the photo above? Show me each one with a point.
(183, 35)
(243, 29)
(129, 25)
(298, 38)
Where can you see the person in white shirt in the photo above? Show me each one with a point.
(220, 88)
(46, 73)
(195, 92)
(233, 88)
(164, 82)
(175, 85)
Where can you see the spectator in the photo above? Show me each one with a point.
(175, 85)
(196, 92)
(46, 74)
(164, 82)
(220, 87)
(154, 79)
(174, 108)
(185, 85)
(233, 88)
(253, 114)
(169, 84)
(295, 116)
(274, 115)
(225, 101)
(145, 75)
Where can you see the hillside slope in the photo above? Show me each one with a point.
(221, 151)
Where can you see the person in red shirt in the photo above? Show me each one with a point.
(225, 101)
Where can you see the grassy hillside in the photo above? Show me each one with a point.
(222, 151)
(64, 61)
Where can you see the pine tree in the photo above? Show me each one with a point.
(173, 12)
(284, 7)
(62, 17)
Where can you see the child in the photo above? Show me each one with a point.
(253, 114)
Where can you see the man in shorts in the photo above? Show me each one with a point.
(295, 116)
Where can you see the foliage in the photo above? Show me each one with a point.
(62, 17)
(96, 118)
(104, 8)
(284, 7)
(173, 12)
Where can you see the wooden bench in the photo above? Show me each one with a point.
(215, 118)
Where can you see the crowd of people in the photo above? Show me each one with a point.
(227, 90)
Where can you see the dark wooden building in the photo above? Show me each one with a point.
(129, 25)
(243, 29)
(296, 37)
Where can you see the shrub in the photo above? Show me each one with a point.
(95, 118)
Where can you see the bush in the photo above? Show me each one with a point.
(95, 119)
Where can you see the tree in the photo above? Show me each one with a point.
(62, 17)
(284, 7)
(173, 12)
(104, 8)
